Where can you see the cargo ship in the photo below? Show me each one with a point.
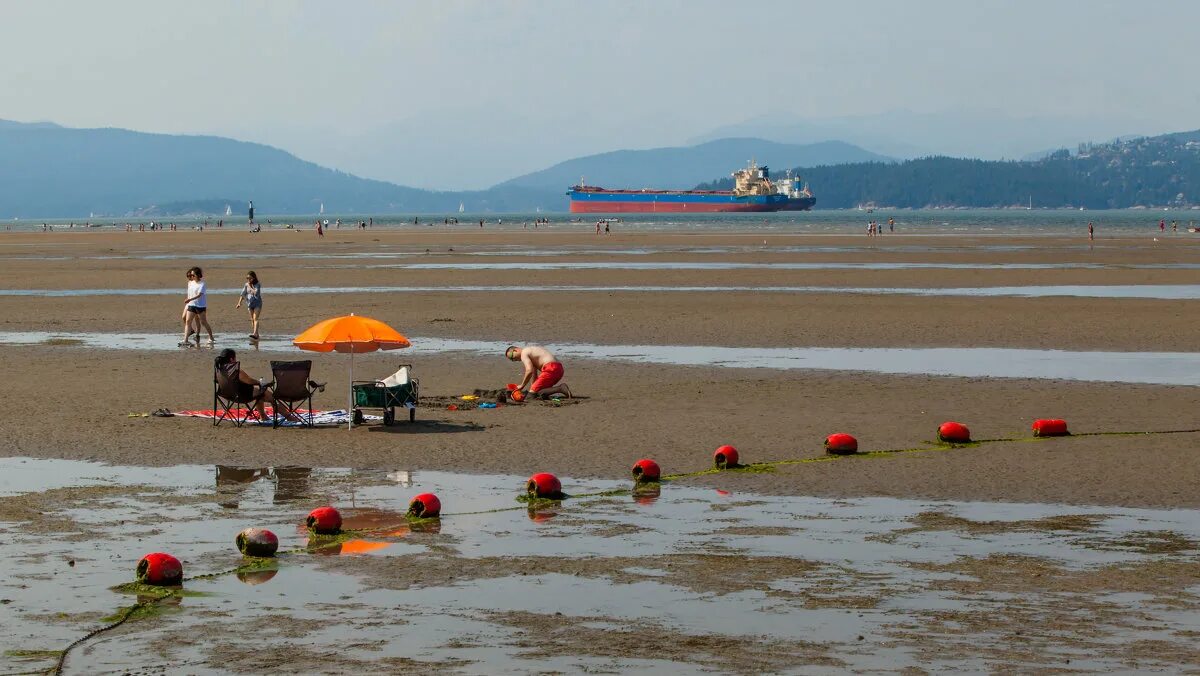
(752, 191)
(799, 197)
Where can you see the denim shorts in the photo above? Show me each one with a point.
(253, 303)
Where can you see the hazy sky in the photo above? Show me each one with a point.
(463, 94)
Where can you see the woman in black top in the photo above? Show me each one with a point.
(248, 387)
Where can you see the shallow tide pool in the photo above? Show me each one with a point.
(704, 577)
(1160, 368)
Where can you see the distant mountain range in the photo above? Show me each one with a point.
(1156, 171)
(984, 134)
(684, 167)
(52, 171)
(48, 171)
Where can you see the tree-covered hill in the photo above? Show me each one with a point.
(1153, 171)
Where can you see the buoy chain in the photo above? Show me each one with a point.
(942, 446)
(128, 613)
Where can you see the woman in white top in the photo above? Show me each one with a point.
(195, 308)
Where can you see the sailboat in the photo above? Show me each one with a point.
(461, 207)
(228, 210)
(322, 208)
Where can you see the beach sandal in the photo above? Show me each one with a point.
(162, 413)
(253, 336)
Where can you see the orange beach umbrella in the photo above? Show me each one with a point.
(353, 334)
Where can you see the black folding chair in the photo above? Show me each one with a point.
(293, 388)
(232, 399)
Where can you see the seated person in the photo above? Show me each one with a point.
(249, 389)
(542, 371)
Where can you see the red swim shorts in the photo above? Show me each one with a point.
(549, 376)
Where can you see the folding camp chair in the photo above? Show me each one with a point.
(231, 397)
(293, 388)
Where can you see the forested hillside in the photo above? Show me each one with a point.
(1154, 171)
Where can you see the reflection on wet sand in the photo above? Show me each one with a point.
(647, 494)
(290, 484)
(257, 577)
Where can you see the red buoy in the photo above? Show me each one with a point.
(954, 433)
(1050, 427)
(257, 542)
(544, 485)
(324, 521)
(725, 456)
(841, 444)
(160, 570)
(646, 470)
(425, 506)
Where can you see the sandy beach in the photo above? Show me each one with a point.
(81, 398)
(675, 343)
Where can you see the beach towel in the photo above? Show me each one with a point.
(337, 417)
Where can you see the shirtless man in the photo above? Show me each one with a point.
(542, 371)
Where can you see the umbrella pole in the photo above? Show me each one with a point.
(350, 395)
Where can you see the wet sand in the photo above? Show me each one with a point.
(751, 577)
(675, 414)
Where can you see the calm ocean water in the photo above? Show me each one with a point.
(1125, 222)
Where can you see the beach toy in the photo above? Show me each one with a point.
(425, 506)
(544, 485)
(841, 444)
(646, 470)
(954, 433)
(324, 521)
(160, 570)
(510, 387)
(469, 397)
(488, 404)
(725, 456)
(452, 407)
(517, 395)
(1050, 427)
(257, 542)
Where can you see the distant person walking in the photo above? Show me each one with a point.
(1091, 231)
(195, 308)
(252, 294)
(891, 224)
(320, 229)
(1162, 225)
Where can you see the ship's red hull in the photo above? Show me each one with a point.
(664, 207)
